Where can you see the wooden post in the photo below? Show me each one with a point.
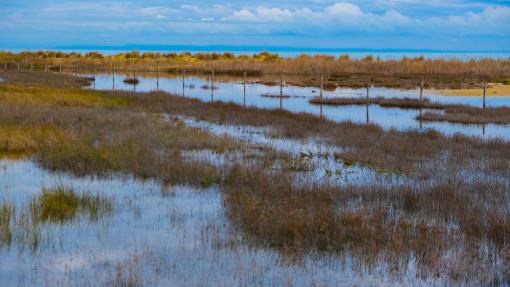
(45, 67)
(183, 84)
(19, 69)
(281, 91)
(422, 86)
(76, 70)
(31, 67)
(60, 68)
(368, 87)
(212, 82)
(244, 89)
(322, 84)
(157, 78)
(368, 114)
(113, 77)
(94, 75)
(5, 66)
(484, 94)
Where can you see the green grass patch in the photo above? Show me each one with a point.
(61, 204)
(64, 97)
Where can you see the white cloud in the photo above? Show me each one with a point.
(344, 8)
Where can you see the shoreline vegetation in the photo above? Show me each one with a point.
(453, 113)
(303, 70)
(436, 202)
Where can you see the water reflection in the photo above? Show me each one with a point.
(295, 99)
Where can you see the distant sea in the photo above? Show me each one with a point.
(354, 53)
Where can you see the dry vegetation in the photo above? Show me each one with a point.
(469, 115)
(397, 224)
(451, 112)
(448, 214)
(87, 133)
(341, 71)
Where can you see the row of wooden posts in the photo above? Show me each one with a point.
(76, 70)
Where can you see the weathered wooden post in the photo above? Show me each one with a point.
(134, 70)
(60, 68)
(281, 91)
(94, 75)
(19, 69)
(31, 67)
(244, 90)
(113, 77)
(212, 82)
(322, 84)
(484, 94)
(183, 83)
(45, 67)
(157, 78)
(76, 70)
(368, 86)
(368, 114)
(422, 86)
(5, 66)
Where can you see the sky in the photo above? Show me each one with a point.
(374, 24)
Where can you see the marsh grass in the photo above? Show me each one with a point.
(449, 216)
(394, 151)
(404, 103)
(452, 112)
(7, 212)
(16, 94)
(99, 135)
(469, 115)
(61, 204)
(397, 223)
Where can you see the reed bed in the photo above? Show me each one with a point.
(469, 115)
(453, 113)
(338, 71)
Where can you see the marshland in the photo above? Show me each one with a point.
(150, 169)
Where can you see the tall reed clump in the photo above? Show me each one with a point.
(6, 215)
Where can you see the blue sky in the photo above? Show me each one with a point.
(432, 24)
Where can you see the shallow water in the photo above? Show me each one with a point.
(158, 236)
(232, 91)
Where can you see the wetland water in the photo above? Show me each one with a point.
(298, 101)
(157, 236)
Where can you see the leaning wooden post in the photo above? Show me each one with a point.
(484, 94)
(244, 90)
